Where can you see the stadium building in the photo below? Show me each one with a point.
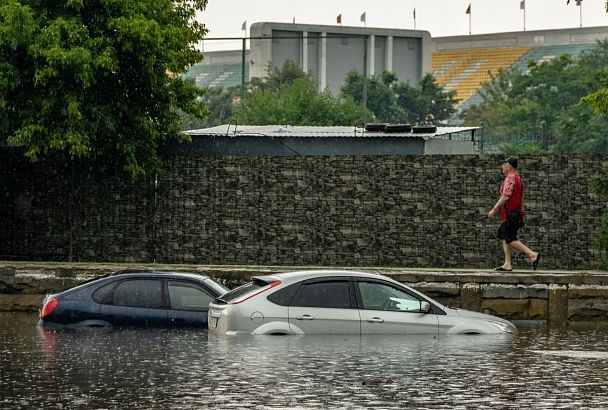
(459, 63)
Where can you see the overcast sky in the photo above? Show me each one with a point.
(224, 18)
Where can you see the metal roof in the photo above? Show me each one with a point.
(320, 131)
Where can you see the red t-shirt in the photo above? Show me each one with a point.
(513, 187)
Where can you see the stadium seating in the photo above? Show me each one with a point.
(465, 71)
(547, 53)
(216, 75)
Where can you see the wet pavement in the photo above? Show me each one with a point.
(169, 368)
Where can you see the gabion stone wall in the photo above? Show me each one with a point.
(410, 211)
(68, 211)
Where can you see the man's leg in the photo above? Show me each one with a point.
(520, 246)
(507, 250)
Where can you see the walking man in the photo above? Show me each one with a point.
(511, 207)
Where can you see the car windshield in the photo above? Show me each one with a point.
(243, 290)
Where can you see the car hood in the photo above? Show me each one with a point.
(476, 315)
(464, 321)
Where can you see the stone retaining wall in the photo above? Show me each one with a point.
(395, 211)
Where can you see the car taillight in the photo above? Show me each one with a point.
(48, 307)
(265, 288)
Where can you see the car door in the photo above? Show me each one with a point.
(386, 308)
(188, 303)
(135, 302)
(324, 306)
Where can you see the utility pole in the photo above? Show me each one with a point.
(243, 69)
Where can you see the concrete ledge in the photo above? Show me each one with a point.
(20, 302)
(558, 305)
(7, 271)
(509, 291)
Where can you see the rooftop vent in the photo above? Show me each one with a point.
(388, 127)
(375, 127)
(398, 128)
(424, 129)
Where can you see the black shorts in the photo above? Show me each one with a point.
(508, 232)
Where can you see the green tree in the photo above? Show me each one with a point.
(279, 78)
(598, 100)
(380, 97)
(391, 100)
(88, 78)
(518, 103)
(599, 186)
(428, 99)
(543, 104)
(298, 104)
(220, 103)
(288, 95)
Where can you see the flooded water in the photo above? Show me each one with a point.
(163, 368)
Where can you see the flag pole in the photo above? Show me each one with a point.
(414, 18)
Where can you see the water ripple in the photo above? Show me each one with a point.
(161, 368)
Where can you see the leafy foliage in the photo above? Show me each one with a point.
(279, 78)
(220, 103)
(391, 100)
(290, 96)
(90, 78)
(380, 97)
(598, 100)
(599, 185)
(546, 105)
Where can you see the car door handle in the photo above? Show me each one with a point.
(174, 320)
(305, 317)
(375, 320)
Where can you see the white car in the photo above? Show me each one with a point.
(340, 302)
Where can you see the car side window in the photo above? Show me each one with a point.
(141, 293)
(326, 294)
(101, 293)
(284, 296)
(188, 296)
(380, 296)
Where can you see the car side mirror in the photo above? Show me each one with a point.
(425, 307)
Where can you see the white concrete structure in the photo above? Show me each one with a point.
(329, 52)
(535, 38)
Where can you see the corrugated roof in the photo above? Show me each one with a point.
(319, 131)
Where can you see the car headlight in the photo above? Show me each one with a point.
(503, 326)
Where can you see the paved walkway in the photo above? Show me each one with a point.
(239, 273)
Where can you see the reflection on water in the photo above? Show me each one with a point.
(161, 368)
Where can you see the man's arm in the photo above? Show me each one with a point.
(501, 202)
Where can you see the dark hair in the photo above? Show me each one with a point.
(511, 161)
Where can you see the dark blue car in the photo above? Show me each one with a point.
(134, 299)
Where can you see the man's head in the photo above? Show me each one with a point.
(509, 165)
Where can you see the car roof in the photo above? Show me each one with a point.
(192, 275)
(133, 274)
(295, 276)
